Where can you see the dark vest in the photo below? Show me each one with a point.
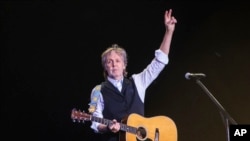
(118, 105)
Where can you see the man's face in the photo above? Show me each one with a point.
(115, 65)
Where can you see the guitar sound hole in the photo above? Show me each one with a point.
(141, 133)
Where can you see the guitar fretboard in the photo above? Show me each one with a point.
(107, 122)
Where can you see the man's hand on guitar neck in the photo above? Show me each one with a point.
(113, 127)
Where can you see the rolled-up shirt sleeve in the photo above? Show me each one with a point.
(161, 56)
(150, 73)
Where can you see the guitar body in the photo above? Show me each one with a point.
(136, 127)
(166, 128)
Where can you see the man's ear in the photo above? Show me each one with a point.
(124, 67)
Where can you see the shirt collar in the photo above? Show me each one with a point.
(114, 82)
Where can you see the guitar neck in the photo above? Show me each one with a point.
(123, 127)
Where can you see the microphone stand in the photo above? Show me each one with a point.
(227, 119)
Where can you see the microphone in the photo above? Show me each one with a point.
(194, 75)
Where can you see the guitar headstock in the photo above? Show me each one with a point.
(77, 115)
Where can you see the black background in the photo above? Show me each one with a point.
(50, 61)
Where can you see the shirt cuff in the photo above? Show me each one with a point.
(161, 56)
(94, 126)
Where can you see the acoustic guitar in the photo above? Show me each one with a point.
(136, 127)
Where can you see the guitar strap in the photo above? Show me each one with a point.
(94, 98)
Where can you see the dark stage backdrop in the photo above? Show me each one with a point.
(50, 61)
